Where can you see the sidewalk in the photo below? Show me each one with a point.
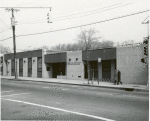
(128, 87)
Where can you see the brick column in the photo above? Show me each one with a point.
(9, 67)
(4, 67)
(17, 68)
(112, 70)
(25, 67)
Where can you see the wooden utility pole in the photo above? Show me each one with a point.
(14, 43)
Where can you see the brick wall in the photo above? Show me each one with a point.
(133, 71)
(25, 67)
(112, 70)
(74, 67)
(9, 67)
(4, 67)
(17, 67)
(45, 73)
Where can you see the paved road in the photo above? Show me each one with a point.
(24, 100)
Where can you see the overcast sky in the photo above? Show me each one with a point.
(72, 13)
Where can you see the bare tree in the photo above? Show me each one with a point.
(88, 38)
(5, 50)
(42, 47)
(106, 44)
(125, 43)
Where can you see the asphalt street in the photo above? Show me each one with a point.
(27, 100)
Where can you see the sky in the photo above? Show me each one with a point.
(32, 19)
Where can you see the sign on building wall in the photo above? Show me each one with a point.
(74, 63)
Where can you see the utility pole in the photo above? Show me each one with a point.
(14, 43)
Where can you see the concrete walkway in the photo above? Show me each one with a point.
(128, 87)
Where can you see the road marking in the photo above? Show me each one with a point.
(7, 91)
(59, 109)
(14, 94)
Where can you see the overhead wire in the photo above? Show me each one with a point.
(81, 25)
(32, 20)
(71, 17)
(87, 24)
(93, 13)
(73, 14)
(4, 23)
(6, 38)
(5, 30)
(55, 19)
(20, 23)
(8, 27)
(146, 18)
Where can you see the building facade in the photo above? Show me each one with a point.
(129, 63)
(73, 65)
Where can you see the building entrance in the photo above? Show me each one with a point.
(106, 69)
(93, 68)
(58, 69)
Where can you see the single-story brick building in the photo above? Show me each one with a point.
(73, 64)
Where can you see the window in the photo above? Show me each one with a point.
(39, 64)
(48, 68)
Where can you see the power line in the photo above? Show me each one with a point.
(93, 13)
(82, 25)
(6, 39)
(32, 20)
(88, 11)
(86, 24)
(55, 19)
(98, 11)
(75, 14)
(20, 23)
(4, 23)
(5, 30)
(25, 7)
(145, 19)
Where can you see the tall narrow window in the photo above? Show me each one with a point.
(12, 67)
(39, 67)
(29, 67)
(20, 67)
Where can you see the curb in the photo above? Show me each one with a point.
(110, 87)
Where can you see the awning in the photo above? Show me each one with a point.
(27, 54)
(55, 58)
(104, 54)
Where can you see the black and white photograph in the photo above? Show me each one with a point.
(74, 60)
